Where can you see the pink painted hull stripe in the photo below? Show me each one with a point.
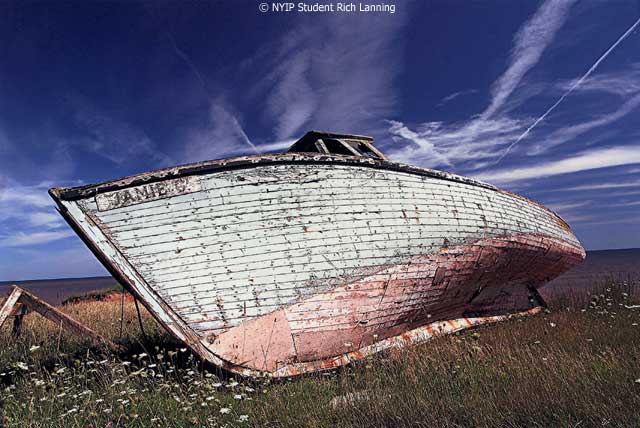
(492, 277)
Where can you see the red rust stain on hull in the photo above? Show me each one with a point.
(462, 284)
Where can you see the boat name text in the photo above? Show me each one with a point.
(146, 192)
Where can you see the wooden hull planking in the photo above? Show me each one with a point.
(283, 264)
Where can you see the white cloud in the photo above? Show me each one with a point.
(277, 146)
(603, 186)
(594, 221)
(569, 133)
(292, 101)
(21, 239)
(333, 74)
(571, 89)
(625, 204)
(113, 138)
(566, 206)
(595, 159)
(480, 139)
(423, 150)
(49, 219)
(223, 136)
(529, 43)
(438, 143)
(455, 95)
(621, 83)
(13, 195)
(27, 215)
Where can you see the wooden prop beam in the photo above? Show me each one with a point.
(9, 306)
(31, 302)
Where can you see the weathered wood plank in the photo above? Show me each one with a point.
(328, 251)
(60, 318)
(269, 229)
(9, 306)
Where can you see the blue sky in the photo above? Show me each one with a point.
(93, 90)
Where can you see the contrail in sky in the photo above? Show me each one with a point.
(195, 71)
(183, 55)
(571, 89)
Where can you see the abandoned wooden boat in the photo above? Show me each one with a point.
(281, 264)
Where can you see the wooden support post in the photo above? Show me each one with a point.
(18, 315)
(29, 301)
(8, 308)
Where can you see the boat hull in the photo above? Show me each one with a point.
(280, 265)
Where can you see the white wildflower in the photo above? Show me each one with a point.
(225, 410)
(243, 418)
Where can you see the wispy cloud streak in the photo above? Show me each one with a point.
(216, 107)
(571, 89)
(455, 95)
(27, 215)
(594, 159)
(342, 81)
(529, 44)
(480, 139)
(602, 186)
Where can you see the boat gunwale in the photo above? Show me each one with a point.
(244, 162)
(189, 336)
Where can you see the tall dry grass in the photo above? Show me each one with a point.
(572, 366)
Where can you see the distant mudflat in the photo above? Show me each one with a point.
(598, 268)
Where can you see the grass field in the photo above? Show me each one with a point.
(576, 365)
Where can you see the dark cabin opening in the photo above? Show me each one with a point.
(336, 144)
(364, 149)
(336, 147)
